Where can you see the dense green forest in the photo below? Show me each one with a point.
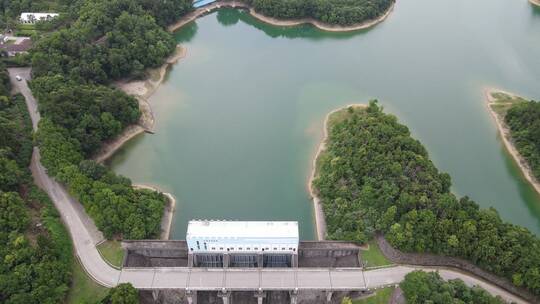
(338, 12)
(109, 40)
(523, 119)
(375, 177)
(71, 69)
(428, 287)
(35, 255)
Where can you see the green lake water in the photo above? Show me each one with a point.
(239, 119)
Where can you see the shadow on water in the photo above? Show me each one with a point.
(227, 17)
(526, 190)
(535, 10)
(186, 33)
(230, 16)
(122, 154)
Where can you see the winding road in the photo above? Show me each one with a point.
(85, 236)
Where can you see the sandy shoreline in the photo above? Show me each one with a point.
(278, 22)
(142, 90)
(506, 137)
(320, 221)
(535, 2)
(168, 212)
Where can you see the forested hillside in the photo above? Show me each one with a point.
(339, 12)
(523, 119)
(35, 255)
(375, 177)
(72, 70)
(428, 287)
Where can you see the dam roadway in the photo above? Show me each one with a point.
(85, 237)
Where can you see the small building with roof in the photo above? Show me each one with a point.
(16, 46)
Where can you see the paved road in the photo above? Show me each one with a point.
(85, 237)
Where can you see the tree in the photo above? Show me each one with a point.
(122, 294)
(428, 287)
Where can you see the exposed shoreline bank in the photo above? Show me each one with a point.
(278, 22)
(320, 221)
(535, 2)
(168, 212)
(504, 132)
(141, 90)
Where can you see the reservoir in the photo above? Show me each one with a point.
(239, 119)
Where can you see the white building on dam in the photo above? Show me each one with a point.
(243, 243)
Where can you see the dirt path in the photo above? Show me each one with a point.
(506, 137)
(320, 221)
(278, 22)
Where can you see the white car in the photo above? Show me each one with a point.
(19, 78)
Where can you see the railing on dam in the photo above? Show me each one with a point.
(244, 279)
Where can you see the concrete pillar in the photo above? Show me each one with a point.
(190, 260)
(191, 297)
(226, 260)
(294, 260)
(155, 295)
(225, 296)
(260, 260)
(329, 296)
(260, 295)
(124, 259)
(294, 296)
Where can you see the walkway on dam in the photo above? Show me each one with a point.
(85, 237)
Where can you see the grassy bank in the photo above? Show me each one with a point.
(373, 257)
(501, 102)
(112, 252)
(381, 296)
(83, 289)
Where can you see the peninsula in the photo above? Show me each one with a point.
(499, 102)
(374, 176)
(330, 119)
(279, 18)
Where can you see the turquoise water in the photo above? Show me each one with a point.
(239, 119)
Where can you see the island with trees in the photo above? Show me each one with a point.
(374, 177)
(328, 15)
(518, 123)
(332, 12)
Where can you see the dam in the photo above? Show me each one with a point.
(247, 262)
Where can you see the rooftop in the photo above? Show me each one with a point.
(19, 46)
(242, 229)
